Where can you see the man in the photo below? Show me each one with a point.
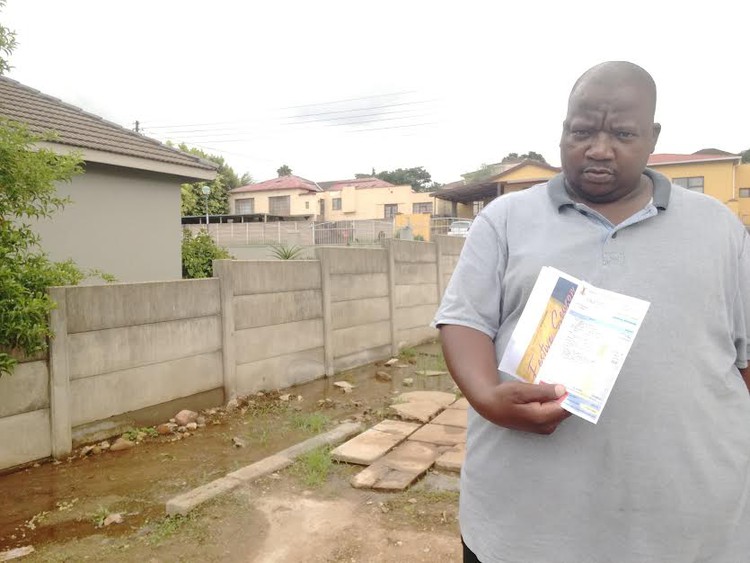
(665, 474)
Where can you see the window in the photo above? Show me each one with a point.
(477, 207)
(391, 210)
(336, 204)
(307, 205)
(244, 206)
(693, 183)
(422, 207)
(744, 192)
(278, 205)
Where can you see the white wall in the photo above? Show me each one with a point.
(121, 221)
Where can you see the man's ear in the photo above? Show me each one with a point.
(655, 135)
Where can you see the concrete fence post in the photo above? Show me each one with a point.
(224, 270)
(324, 259)
(390, 244)
(61, 432)
(439, 267)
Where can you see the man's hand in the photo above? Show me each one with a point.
(523, 406)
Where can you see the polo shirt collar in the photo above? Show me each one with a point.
(558, 191)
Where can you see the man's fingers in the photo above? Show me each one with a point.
(543, 393)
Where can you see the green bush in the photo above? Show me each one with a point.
(198, 253)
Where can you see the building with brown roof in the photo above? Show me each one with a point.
(124, 214)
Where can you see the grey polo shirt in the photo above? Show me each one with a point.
(665, 474)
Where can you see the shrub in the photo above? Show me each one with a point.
(198, 253)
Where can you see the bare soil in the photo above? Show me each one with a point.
(57, 507)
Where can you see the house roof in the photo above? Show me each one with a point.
(358, 183)
(281, 183)
(79, 129)
(705, 155)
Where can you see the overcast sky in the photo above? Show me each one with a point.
(334, 88)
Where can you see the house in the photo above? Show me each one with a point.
(124, 214)
(468, 198)
(338, 200)
(716, 173)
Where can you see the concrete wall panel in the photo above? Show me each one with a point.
(275, 275)
(97, 398)
(357, 260)
(260, 343)
(414, 251)
(346, 314)
(251, 311)
(362, 357)
(358, 286)
(111, 306)
(418, 273)
(414, 336)
(281, 371)
(348, 341)
(451, 245)
(104, 351)
(411, 295)
(26, 390)
(415, 317)
(25, 437)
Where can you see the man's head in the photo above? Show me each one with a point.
(609, 131)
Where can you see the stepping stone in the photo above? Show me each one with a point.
(397, 469)
(374, 443)
(421, 405)
(453, 459)
(451, 417)
(440, 435)
(462, 404)
(430, 373)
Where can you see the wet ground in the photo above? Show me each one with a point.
(58, 502)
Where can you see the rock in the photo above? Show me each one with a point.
(201, 421)
(391, 362)
(172, 420)
(181, 429)
(430, 373)
(345, 386)
(104, 445)
(112, 519)
(96, 450)
(238, 442)
(284, 397)
(185, 416)
(383, 376)
(86, 450)
(407, 382)
(186, 434)
(300, 398)
(166, 428)
(16, 553)
(232, 405)
(121, 444)
(191, 425)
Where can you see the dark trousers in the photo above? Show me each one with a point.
(469, 556)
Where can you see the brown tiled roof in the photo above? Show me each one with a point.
(358, 183)
(672, 158)
(281, 183)
(74, 127)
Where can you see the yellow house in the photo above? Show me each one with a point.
(716, 173)
(340, 200)
(468, 199)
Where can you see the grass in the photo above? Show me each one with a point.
(169, 526)
(100, 516)
(312, 423)
(135, 433)
(407, 354)
(314, 467)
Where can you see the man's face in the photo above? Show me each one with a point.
(607, 138)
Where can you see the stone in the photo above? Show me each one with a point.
(16, 553)
(261, 468)
(430, 373)
(112, 519)
(121, 444)
(191, 426)
(453, 459)
(104, 445)
(86, 450)
(440, 435)
(284, 397)
(461, 404)
(166, 428)
(201, 421)
(185, 416)
(181, 429)
(373, 443)
(391, 362)
(345, 386)
(383, 376)
(407, 381)
(422, 412)
(96, 450)
(232, 405)
(238, 442)
(452, 417)
(397, 469)
(184, 503)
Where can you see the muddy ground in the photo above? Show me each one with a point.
(59, 507)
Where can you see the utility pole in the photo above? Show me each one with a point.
(137, 126)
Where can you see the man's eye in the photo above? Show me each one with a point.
(624, 135)
(580, 133)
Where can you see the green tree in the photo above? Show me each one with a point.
(198, 253)
(7, 44)
(284, 170)
(745, 156)
(417, 177)
(531, 155)
(193, 202)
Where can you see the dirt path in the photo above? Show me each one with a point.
(56, 508)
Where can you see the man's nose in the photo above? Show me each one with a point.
(601, 147)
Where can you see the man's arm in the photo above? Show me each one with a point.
(470, 356)
(746, 376)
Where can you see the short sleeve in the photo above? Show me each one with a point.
(473, 295)
(742, 307)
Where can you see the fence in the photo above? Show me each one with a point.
(123, 350)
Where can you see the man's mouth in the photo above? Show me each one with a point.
(598, 175)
